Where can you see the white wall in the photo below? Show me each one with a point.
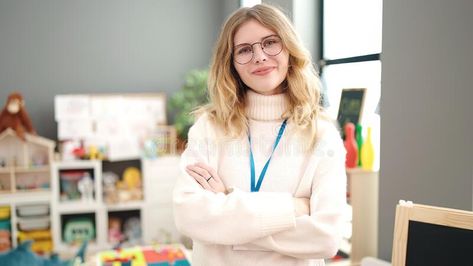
(426, 110)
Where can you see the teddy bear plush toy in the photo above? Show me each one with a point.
(14, 116)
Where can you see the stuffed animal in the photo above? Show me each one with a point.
(23, 256)
(14, 116)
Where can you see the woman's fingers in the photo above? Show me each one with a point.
(199, 178)
(209, 176)
(199, 170)
(209, 170)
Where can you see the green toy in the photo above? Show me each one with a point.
(78, 230)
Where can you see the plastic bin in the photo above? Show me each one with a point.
(33, 210)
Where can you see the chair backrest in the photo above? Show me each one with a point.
(428, 235)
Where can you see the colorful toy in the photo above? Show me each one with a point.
(367, 152)
(79, 229)
(69, 184)
(359, 141)
(23, 256)
(350, 146)
(132, 177)
(14, 116)
(115, 235)
(168, 255)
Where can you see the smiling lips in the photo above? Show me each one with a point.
(261, 71)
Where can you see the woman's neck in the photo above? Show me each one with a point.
(266, 107)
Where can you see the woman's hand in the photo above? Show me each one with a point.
(207, 177)
(302, 206)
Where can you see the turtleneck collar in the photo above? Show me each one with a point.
(266, 107)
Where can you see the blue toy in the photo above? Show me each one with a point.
(23, 256)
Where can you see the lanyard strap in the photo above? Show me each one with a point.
(255, 188)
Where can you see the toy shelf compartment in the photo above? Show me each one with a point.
(78, 227)
(124, 226)
(76, 183)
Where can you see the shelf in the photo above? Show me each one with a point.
(77, 207)
(359, 170)
(34, 169)
(131, 205)
(20, 197)
(5, 170)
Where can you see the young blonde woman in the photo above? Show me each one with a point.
(263, 176)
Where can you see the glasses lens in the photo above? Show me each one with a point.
(272, 45)
(243, 54)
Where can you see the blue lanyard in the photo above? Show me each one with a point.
(255, 188)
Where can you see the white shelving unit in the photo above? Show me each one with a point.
(66, 209)
(25, 178)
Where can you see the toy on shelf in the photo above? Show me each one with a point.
(367, 152)
(115, 235)
(130, 188)
(79, 229)
(132, 230)
(110, 191)
(86, 187)
(76, 184)
(350, 146)
(359, 141)
(77, 150)
(14, 116)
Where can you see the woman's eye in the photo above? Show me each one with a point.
(270, 42)
(244, 50)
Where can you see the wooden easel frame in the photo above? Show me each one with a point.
(427, 214)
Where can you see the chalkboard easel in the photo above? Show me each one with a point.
(429, 236)
(351, 106)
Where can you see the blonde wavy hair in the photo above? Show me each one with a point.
(227, 91)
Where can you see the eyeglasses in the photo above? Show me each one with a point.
(244, 53)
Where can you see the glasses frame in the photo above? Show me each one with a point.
(253, 51)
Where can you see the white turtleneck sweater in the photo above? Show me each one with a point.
(260, 228)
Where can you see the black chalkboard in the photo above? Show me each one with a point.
(432, 245)
(351, 106)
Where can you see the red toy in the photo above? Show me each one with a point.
(351, 146)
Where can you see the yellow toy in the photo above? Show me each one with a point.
(132, 177)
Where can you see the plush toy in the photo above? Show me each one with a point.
(23, 256)
(14, 116)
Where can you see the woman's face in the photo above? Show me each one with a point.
(263, 73)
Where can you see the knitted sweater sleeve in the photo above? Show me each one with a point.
(215, 218)
(316, 235)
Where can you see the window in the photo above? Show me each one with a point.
(249, 3)
(350, 51)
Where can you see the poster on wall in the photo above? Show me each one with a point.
(114, 124)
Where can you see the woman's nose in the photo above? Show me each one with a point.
(259, 55)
